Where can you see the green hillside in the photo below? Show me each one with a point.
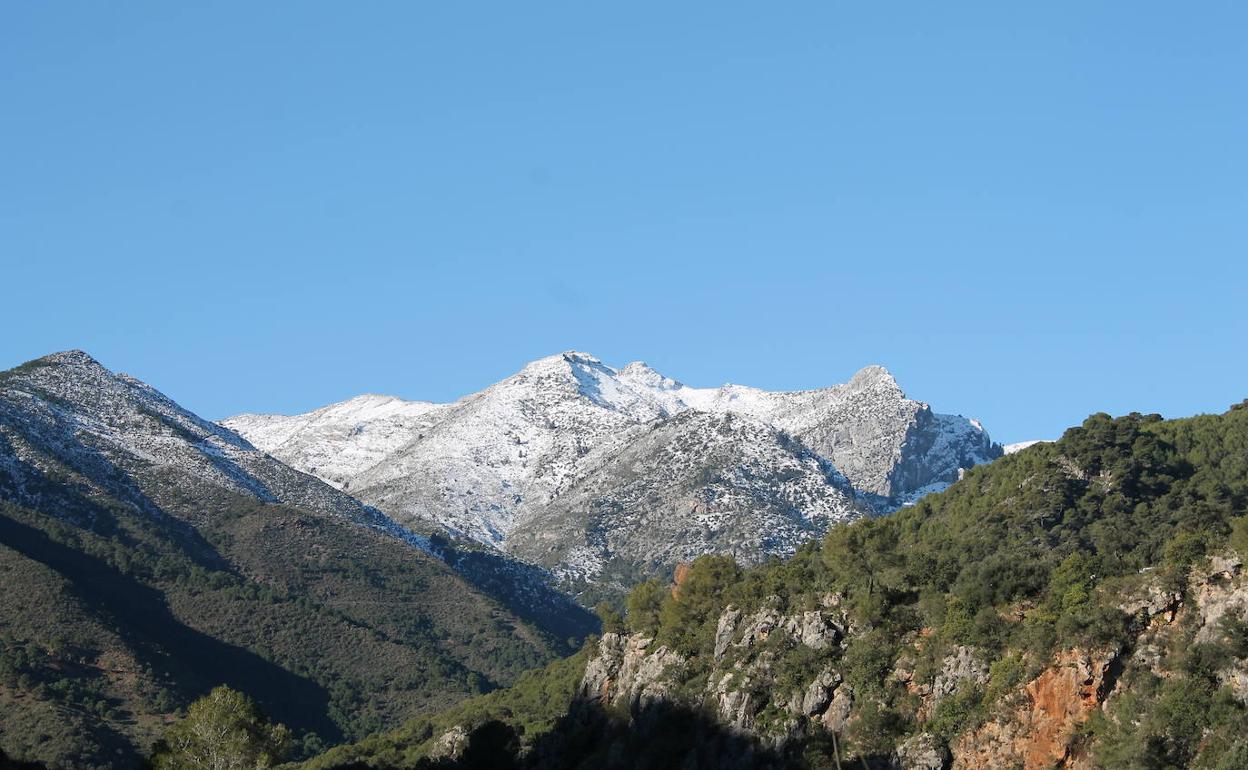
(136, 579)
(1026, 564)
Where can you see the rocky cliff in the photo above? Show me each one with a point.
(780, 677)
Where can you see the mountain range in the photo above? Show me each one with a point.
(605, 475)
(382, 558)
(147, 555)
(1079, 604)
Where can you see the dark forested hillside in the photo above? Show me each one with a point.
(1079, 604)
(147, 556)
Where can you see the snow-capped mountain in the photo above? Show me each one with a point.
(568, 462)
(71, 430)
(696, 483)
(137, 444)
(178, 557)
(341, 440)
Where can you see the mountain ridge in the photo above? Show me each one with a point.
(155, 554)
(490, 466)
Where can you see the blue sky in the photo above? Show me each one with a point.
(1027, 213)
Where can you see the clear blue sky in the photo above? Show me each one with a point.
(1028, 212)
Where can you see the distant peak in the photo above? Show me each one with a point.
(558, 359)
(579, 357)
(640, 371)
(874, 376)
(69, 358)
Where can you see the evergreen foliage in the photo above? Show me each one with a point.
(1022, 557)
(222, 731)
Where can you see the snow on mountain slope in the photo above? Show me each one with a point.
(1021, 445)
(65, 417)
(138, 444)
(520, 441)
(339, 441)
(700, 482)
(498, 462)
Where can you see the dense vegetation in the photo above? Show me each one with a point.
(108, 628)
(143, 565)
(111, 619)
(531, 707)
(1022, 558)
(224, 729)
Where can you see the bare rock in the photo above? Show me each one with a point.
(734, 699)
(602, 670)
(817, 695)
(760, 625)
(725, 630)
(836, 716)
(814, 629)
(626, 672)
(959, 666)
(450, 744)
(1042, 730)
(922, 752)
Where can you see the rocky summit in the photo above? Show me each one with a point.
(602, 474)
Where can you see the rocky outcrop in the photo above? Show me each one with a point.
(960, 666)
(1038, 734)
(627, 672)
(817, 696)
(450, 744)
(724, 630)
(1042, 730)
(815, 629)
(754, 688)
(922, 752)
(632, 672)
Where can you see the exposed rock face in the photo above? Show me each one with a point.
(1220, 594)
(629, 671)
(693, 484)
(1036, 725)
(1041, 731)
(922, 752)
(960, 665)
(817, 696)
(1217, 598)
(814, 629)
(726, 627)
(626, 672)
(836, 717)
(1038, 734)
(450, 744)
(599, 473)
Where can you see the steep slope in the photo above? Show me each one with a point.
(697, 483)
(885, 444)
(519, 442)
(1080, 604)
(340, 441)
(499, 466)
(148, 555)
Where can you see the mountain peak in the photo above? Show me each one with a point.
(874, 376)
(560, 362)
(640, 371)
(579, 357)
(68, 358)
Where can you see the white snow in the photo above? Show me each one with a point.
(1021, 445)
(478, 466)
